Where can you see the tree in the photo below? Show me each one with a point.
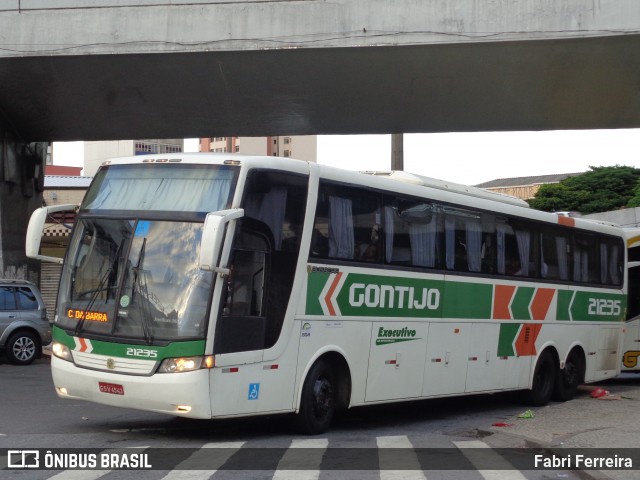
(635, 200)
(599, 190)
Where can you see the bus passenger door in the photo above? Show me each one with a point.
(242, 324)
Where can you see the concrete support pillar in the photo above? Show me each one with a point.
(397, 151)
(21, 185)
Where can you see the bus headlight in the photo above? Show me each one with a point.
(61, 351)
(185, 364)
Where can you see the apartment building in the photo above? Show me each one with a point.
(301, 147)
(97, 152)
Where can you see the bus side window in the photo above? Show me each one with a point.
(348, 224)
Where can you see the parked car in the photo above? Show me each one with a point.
(24, 326)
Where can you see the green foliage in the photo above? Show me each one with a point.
(599, 190)
(635, 200)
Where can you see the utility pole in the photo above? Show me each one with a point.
(397, 151)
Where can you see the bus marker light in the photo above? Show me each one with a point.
(62, 391)
(183, 408)
(436, 360)
(390, 362)
(230, 370)
(270, 367)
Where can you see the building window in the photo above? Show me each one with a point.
(287, 153)
(287, 140)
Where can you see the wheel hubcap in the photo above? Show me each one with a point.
(24, 348)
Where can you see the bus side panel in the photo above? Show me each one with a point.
(485, 371)
(351, 338)
(397, 359)
(446, 362)
(245, 388)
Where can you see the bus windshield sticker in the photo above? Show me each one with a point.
(306, 330)
(142, 229)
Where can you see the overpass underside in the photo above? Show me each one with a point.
(574, 83)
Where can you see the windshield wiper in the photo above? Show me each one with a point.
(140, 287)
(101, 287)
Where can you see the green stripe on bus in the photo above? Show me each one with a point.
(315, 283)
(467, 300)
(172, 350)
(564, 301)
(356, 294)
(521, 302)
(508, 333)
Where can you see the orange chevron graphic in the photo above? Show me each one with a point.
(525, 344)
(541, 303)
(329, 295)
(83, 344)
(501, 300)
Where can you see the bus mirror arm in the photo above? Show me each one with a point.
(34, 231)
(213, 239)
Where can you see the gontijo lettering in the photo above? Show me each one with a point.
(86, 315)
(393, 296)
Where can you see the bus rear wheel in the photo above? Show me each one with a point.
(544, 378)
(570, 377)
(318, 400)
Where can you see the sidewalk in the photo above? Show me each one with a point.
(584, 422)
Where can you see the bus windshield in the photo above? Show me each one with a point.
(132, 266)
(161, 188)
(135, 278)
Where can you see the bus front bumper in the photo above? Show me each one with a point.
(183, 394)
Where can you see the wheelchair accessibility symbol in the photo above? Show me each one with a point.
(254, 391)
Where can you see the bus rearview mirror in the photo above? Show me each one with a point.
(213, 238)
(34, 231)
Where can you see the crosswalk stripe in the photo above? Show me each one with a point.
(413, 468)
(467, 448)
(310, 458)
(221, 453)
(90, 474)
(80, 475)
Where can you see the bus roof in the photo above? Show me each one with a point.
(412, 178)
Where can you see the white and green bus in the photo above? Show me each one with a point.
(213, 286)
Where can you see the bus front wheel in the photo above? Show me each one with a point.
(544, 378)
(318, 400)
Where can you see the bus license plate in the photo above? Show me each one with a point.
(112, 388)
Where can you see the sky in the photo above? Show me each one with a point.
(468, 158)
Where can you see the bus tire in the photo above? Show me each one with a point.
(318, 400)
(544, 379)
(570, 377)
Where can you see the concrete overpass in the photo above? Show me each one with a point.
(113, 69)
